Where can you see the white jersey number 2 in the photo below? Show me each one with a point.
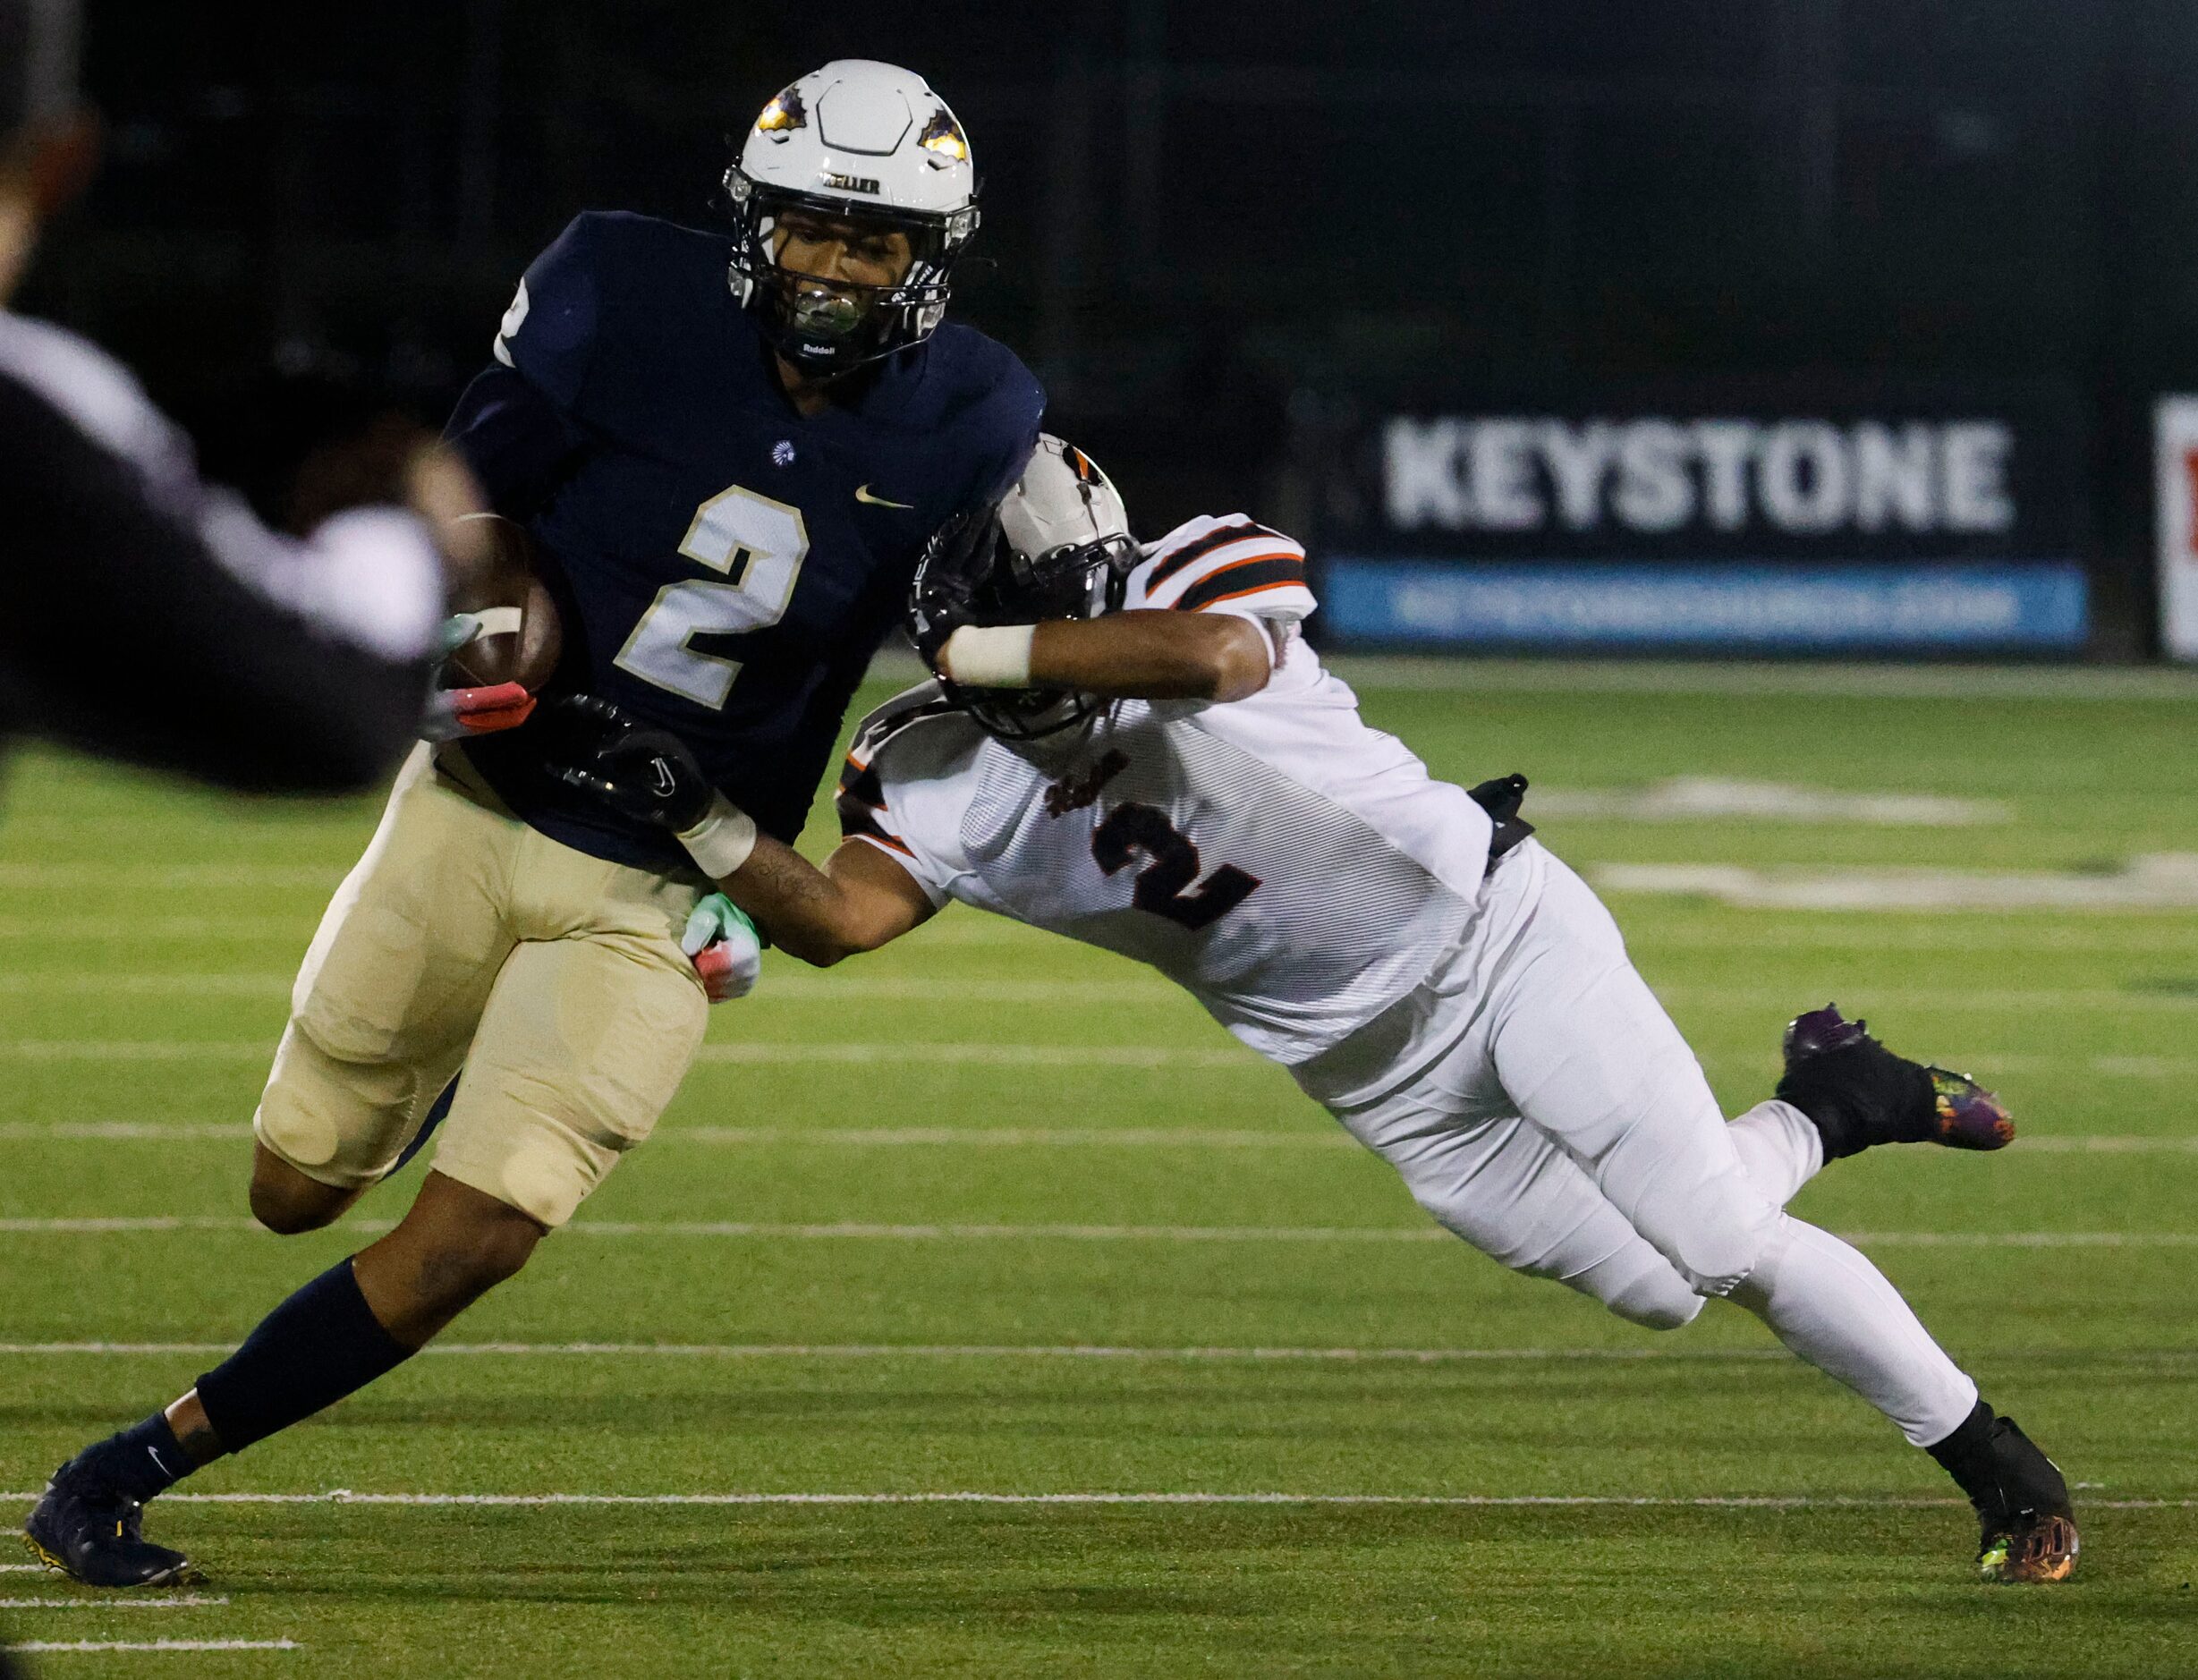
(759, 544)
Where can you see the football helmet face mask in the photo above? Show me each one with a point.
(1062, 549)
(868, 150)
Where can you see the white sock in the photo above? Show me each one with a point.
(1780, 1147)
(1830, 1305)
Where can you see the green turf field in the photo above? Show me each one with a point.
(990, 1215)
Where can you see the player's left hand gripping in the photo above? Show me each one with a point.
(646, 773)
(455, 713)
(726, 952)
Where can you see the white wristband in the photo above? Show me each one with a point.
(721, 842)
(996, 656)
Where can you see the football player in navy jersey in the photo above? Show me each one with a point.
(729, 455)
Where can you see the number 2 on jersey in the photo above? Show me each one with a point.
(760, 545)
(1164, 885)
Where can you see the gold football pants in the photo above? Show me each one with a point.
(463, 938)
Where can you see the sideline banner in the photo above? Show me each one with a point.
(1792, 609)
(2176, 462)
(1947, 521)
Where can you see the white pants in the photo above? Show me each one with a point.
(1540, 1103)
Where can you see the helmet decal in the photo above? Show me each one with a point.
(785, 114)
(943, 136)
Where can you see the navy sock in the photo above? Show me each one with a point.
(143, 1461)
(317, 1346)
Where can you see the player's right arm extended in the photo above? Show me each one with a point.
(1123, 656)
(859, 901)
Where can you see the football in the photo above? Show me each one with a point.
(522, 636)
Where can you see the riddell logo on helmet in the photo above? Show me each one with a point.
(851, 183)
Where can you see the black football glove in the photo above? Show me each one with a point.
(944, 596)
(1501, 797)
(646, 773)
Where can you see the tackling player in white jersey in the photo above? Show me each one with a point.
(1136, 749)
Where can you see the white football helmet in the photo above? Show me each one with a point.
(1063, 501)
(863, 142)
(1063, 551)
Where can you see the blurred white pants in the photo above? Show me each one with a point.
(1540, 1103)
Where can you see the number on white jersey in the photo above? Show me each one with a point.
(1164, 885)
(760, 545)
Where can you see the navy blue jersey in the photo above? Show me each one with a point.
(726, 566)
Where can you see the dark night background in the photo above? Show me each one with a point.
(1207, 224)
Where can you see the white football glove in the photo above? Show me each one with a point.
(725, 948)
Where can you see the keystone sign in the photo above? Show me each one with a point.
(1799, 477)
(1953, 527)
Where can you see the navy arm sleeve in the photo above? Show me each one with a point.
(518, 443)
(127, 631)
(517, 423)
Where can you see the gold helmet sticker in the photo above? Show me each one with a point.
(943, 135)
(785, 114)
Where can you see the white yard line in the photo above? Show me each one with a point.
(863, 1351)
(95, 1226)
(1220, 1057)
(233, 1132)
(951, 1055)
(120, 1601)
(1876, 999)
(56, 1646)
(1044, 1352)
(792, 986)
(1810, 934)
(2079, 1145)
(973, 928)
(860, 1231)
(149, 929)
(1764, 929)
(134, 1050)
(800, 987)
(1764, 1502)
(173, 877)
(126, 1131)
(737, 1054)
(821, 1137)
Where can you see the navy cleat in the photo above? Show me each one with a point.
(93, 1533)
(1858, 1093)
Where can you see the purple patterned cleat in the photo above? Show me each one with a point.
(1858, 1093)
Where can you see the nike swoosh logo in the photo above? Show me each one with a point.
(862, 494)
(665, 785)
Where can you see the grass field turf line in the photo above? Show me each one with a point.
(1029, 1364)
